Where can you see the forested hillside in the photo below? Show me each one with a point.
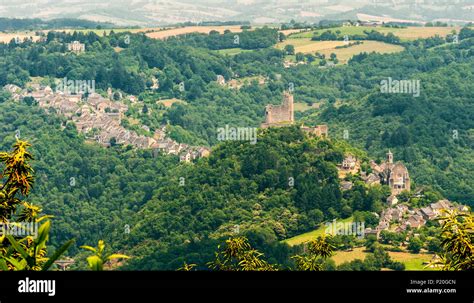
(432, 133)
(9, 24)
(160, 210)
(284, 185)
(89, 190)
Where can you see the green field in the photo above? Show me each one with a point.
(344, 54)
(411, 261)
(231, 51)
(302, 107)
(415, 262)
(300, 239)
(405, 34)
(307, 46)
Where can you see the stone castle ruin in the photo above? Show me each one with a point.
(283, 115)
(276, 115)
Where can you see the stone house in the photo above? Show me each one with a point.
(395, 175)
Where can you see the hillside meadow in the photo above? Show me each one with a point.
(405, 34)
(411, 261)
(307, 46)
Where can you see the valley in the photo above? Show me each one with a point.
(136, 157)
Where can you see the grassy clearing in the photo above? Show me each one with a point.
(288, 32)
(232, 51)
(411, 261)
(303, 238)
(20, 36)
(348, 256)
(170, 102)
(344, 54)
(405, 34)
(345, 30)
(307, 46)
(100, 32)
(302, 107)
(163, 34)
(152, 32)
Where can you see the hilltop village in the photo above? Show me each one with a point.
(395, 175)
(99, 119)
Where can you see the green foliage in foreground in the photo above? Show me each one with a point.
(30, 252)
(238, 255)
(27, 252)
(457, 242)
(100, 257)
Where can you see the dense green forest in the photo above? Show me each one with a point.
(254, 39)
(432, 133)
(88, 189)
(165, 212)
(284, 185)
(13, 24)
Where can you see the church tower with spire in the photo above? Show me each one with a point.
(389, 157)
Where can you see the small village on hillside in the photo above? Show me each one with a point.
(396, 217)
(99, 119)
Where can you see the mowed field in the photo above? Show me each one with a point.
(100, 32)
(170, 102)
(411, 261)
(344, 54)
(7, 37)
(405, 34)
(312, 235)
(305, 45)
(157, 33)
(163, 34)
(302, 107)
(232, 51)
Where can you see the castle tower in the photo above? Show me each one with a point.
(389, 157)
(268, 114)
(280, 115)
(288, 103)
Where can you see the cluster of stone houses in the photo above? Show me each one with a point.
(402, 217)
(99, 118)
(186, 153)
(235, 83)
(350, 165)
(395, 175)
